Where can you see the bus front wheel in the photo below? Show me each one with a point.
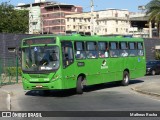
(80, 85)
(125, 80)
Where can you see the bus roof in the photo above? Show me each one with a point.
(77, 37)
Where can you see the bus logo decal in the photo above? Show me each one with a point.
(104, 65)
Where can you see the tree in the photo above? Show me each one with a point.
(12, 20)
(153, 10)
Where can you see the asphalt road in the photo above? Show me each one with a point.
(104, 97)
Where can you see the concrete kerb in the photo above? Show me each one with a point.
(146, 92)
(151, 88)
(5, 100)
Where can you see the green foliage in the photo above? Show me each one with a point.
(153, 10)
(157, 55)
(11, 71)
(11, 20)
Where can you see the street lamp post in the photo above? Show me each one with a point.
(92, 18)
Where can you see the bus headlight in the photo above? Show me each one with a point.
(57, 77)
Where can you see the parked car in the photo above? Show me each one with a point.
(153, 67)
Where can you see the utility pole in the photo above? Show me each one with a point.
(92, 18)
(30, 20)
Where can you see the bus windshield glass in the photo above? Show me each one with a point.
(40, 58)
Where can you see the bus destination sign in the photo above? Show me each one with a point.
(40, 41)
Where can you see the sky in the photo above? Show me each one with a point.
(131, 5)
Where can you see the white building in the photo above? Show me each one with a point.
(34, 16)
(139, 20)
(106, 22)
(79, 23)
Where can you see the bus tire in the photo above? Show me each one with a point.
(46, 92)
(125, 80)
(79, 89)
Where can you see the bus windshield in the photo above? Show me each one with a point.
(40, 58)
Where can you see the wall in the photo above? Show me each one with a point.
(8, 41)
(150, 44)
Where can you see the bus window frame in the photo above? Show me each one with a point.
(123, 52)
(91, 51)
(114, 50)
(69, 61)
(134, 50)
(83, 50)
(105, 51)
(140, 51)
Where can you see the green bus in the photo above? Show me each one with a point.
(65, 62)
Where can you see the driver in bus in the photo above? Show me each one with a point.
(46, 58)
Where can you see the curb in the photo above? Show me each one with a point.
(146, 92)
(6, 100)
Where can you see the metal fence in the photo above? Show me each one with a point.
(10, 71)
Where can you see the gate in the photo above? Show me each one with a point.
(9, 71)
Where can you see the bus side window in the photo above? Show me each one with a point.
(79, 50)
(140, 48)
(123, 49)
(132, 49)
(103, 49)
(114, 52)
(67, 50)
(91, 51)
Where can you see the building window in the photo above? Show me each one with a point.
(11, 49)
(116, 15)
(97, 16)
(116, 29)
(126, 15)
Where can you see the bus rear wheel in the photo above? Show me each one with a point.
(80, 85)
(125, 80)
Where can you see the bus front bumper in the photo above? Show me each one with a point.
(55, 85)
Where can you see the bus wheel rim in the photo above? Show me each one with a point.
(126, 78)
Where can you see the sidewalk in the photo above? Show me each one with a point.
(7, 91)
(152, 88)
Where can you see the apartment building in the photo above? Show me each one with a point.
(80, 23)
(48, 17)
(105, 22)
(53, 17)
(35, 19)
